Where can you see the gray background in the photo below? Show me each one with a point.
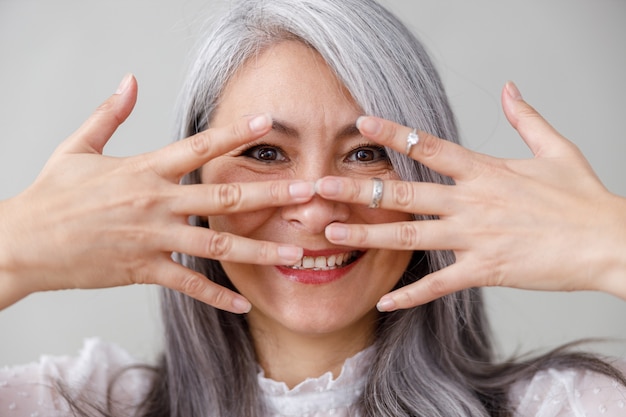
(60, 59)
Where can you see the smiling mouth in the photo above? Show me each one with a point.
(326, 263)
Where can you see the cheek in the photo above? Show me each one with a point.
(224, 169)
(241, 224)
(376, 216)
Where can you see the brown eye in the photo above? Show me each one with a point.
(368, 154)
(364, 155)
(265, 153)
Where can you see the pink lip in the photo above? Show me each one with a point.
(312, 277)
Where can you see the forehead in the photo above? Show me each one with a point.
(286, 77)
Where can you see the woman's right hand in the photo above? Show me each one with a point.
(92, 221)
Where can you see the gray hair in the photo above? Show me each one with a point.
(433, 360)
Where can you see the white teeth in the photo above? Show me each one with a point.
(308, 262)
(323, 262)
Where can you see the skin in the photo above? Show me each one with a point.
(545, 223)
(299, 329)
(514, 223)
(135, 215)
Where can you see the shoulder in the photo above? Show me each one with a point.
(569, 392)
(101, 371)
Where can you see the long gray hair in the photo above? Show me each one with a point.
(433, 360)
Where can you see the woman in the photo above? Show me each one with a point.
(306, 319)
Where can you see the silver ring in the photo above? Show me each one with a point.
(411, 140)
(377, 192)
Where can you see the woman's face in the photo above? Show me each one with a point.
(314, 135)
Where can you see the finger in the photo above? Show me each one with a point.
(411, 235)
(96, 131)
(443, 156)
(186, 155)
(404, 196)
(213, 199)
(207, 243)
(537, 133)
(176, 277)
(432, 286)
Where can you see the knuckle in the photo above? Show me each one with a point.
(494, 276)
(436, 286)
(430, 146)
(275, 191)
(264, 252)
(200, 144)
(229, 195)
(219, 297)
(575, 151)
(402, 194)
(192, 285)
(140, 163)
(390, 131)
(240, 130)
(104, 107)
(362, 235)
(352, 191)
(107, 109)
(355, 190)
(407, 299)
(218, 245)
(408, 236)
(529, 112)
(145, 202)
(139, 274)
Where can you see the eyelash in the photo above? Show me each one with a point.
(369, 146)
(249, 152)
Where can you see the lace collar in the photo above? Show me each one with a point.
(319, 396)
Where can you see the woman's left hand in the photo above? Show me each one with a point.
(545, 223)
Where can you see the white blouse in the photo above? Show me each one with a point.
(29, 391)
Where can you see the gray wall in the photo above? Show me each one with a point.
(60, 59)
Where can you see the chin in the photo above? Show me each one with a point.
(316, 316)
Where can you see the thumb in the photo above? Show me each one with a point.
(96, 131)
(542, 139)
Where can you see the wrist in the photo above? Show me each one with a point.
(11, 284)
(612, 263)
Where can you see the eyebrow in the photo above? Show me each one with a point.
(285, 128)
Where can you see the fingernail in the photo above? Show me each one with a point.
(260, 123)
(290, 254)
(369, 125)
(329, 187)
(386, 304)
(513, 91)
(301, 189)
(336, 232)
(124, 84)
(241, 305)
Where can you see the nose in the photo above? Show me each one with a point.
(314, 215)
